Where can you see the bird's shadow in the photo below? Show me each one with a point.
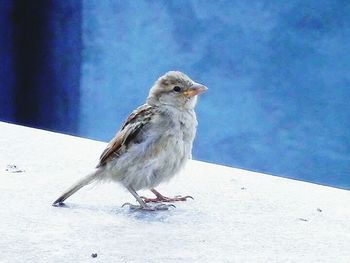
(148, 216)
(137, 214)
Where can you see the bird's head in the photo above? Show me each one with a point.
(175, 89)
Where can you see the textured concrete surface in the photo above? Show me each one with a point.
(237, 216)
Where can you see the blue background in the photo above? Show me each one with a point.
(277, 72)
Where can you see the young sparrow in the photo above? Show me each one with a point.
(153, 144)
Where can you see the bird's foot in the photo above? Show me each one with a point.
(160, 199)
(149, 207)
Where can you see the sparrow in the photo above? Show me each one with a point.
(152, 145)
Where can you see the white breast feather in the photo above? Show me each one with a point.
(163, 153)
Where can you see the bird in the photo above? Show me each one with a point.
(153, 144)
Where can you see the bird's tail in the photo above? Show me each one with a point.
(77, 186)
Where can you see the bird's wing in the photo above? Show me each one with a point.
(127, 134)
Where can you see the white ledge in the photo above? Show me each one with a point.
(237, 216)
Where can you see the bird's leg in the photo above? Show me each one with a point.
(162, 198)
(143, 205)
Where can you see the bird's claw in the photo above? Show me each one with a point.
(164, 206)
(184, 198)
(125, 204)
(149, 207)
(166, 199)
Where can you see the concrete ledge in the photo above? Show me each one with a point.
(237, 216)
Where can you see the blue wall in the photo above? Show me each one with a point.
(7, 108)
(40, 51)
(277, 72)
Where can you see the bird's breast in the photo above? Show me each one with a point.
(165, 147)
(176, 134)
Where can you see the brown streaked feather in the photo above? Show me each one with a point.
(128, 132)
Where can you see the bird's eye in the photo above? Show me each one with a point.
(177, 89)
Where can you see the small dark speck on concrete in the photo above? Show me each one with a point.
(94, 255)
(319, 210)
(303, 219)
(12, 168)
(243, 188)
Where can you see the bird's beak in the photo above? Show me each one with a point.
(195, 89)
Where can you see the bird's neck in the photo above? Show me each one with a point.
(187, 106)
